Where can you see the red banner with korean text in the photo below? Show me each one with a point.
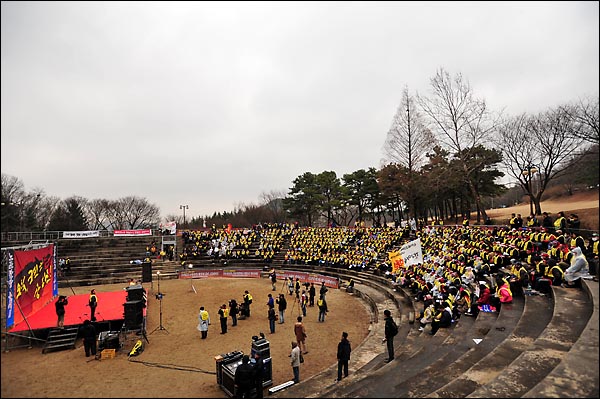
(132, 233)
(32, 283)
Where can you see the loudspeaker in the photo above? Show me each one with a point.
(133, 314)
(147, 272)
(262, 347)
(136, 293)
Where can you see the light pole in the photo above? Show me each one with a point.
(184, 207)
(528, 172)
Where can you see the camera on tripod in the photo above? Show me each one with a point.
(159, 296)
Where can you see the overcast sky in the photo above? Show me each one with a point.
(211, 104)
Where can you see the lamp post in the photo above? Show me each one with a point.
(528, 172)
(184, 207)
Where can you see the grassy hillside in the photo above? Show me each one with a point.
(584, 204)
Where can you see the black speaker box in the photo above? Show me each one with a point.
(147, 272)
(262, 346)
(135, 293)
(133, 314)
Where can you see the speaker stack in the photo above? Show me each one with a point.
(263, 348)
(133, 314)
(136, 293)
(146, 272)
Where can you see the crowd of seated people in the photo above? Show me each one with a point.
(487, 266)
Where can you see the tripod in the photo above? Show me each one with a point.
(296, 305)
(284, 286)
(159, 296)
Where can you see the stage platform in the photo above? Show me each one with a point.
(110, 308)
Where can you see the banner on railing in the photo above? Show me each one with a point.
(215, 273)
(304, 277)
(132, 233)
(168, 227)
(81, 234)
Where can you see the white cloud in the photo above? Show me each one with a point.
(210, 104)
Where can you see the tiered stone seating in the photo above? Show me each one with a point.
(536, 347)
(576, 376)
(107, 260)
(524, 363)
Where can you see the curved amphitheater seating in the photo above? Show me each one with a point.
(534, 348)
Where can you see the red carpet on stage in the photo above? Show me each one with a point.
(110, 307)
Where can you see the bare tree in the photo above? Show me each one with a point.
(460, 122)
(537, 149)
(97, 213)
(272, 201)
(585, 117)
(407, 143)
(132, 213)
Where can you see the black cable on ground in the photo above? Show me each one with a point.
(173, 366)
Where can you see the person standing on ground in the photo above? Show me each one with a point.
(291, 285)
(272, 317)
(312, 292)
(281, 306)
(270, 300)
(322, 304)
(259, 372)
(343, 355)
(300, 332)
(88, 332)
(244, 378)
(303, 302)
(60, 311)
(323, 290)
(233, 311)
(203, 322)
(273, 276)
(391, 329)
(93, 303)
(223, 315)
(247, 302)
(295, 355)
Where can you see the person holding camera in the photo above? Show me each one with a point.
(273, 277)
(60, 311)
(281, 306)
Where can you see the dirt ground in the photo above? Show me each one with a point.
(176, 363)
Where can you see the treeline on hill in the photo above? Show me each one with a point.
(315, 199)
(444, 154)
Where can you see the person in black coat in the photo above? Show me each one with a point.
(259, 373)
(343, 355)
(88, 332)
(244, 378)
(60, 310)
